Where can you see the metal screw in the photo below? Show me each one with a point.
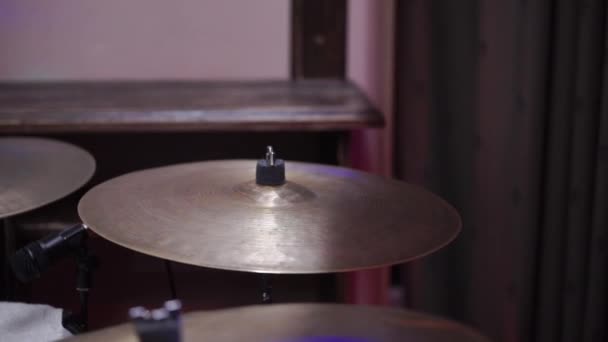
(270, 155)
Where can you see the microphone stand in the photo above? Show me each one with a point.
(79, 322)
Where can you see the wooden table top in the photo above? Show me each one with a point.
(173, 106)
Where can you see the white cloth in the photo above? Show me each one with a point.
(30, 322)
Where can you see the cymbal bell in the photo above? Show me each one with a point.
(37, 171)
(323, 219)
(305, 323)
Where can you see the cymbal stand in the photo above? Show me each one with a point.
(269, 171)
(266, 289)
(171, 279)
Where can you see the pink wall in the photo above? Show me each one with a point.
(370, 66)
(191, 39)
(144, 39)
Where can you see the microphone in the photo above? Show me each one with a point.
(31, 261)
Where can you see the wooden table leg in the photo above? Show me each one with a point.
(369, 287)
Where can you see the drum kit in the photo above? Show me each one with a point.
(267, 216)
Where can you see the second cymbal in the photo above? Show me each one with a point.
(37, 171)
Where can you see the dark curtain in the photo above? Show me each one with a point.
(502, 109)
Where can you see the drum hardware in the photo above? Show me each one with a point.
(270, 171)
(159, 325)
(31, 261)
(171, 279)
(266, 289)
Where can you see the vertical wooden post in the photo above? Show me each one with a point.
(318, 39)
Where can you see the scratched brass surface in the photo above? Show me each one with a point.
(36, 171)
(324, 219)
(305, 322)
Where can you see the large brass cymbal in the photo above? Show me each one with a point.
(324, 219)
(37, 171)
(305, 323)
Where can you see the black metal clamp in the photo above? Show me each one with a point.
(158, 325)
